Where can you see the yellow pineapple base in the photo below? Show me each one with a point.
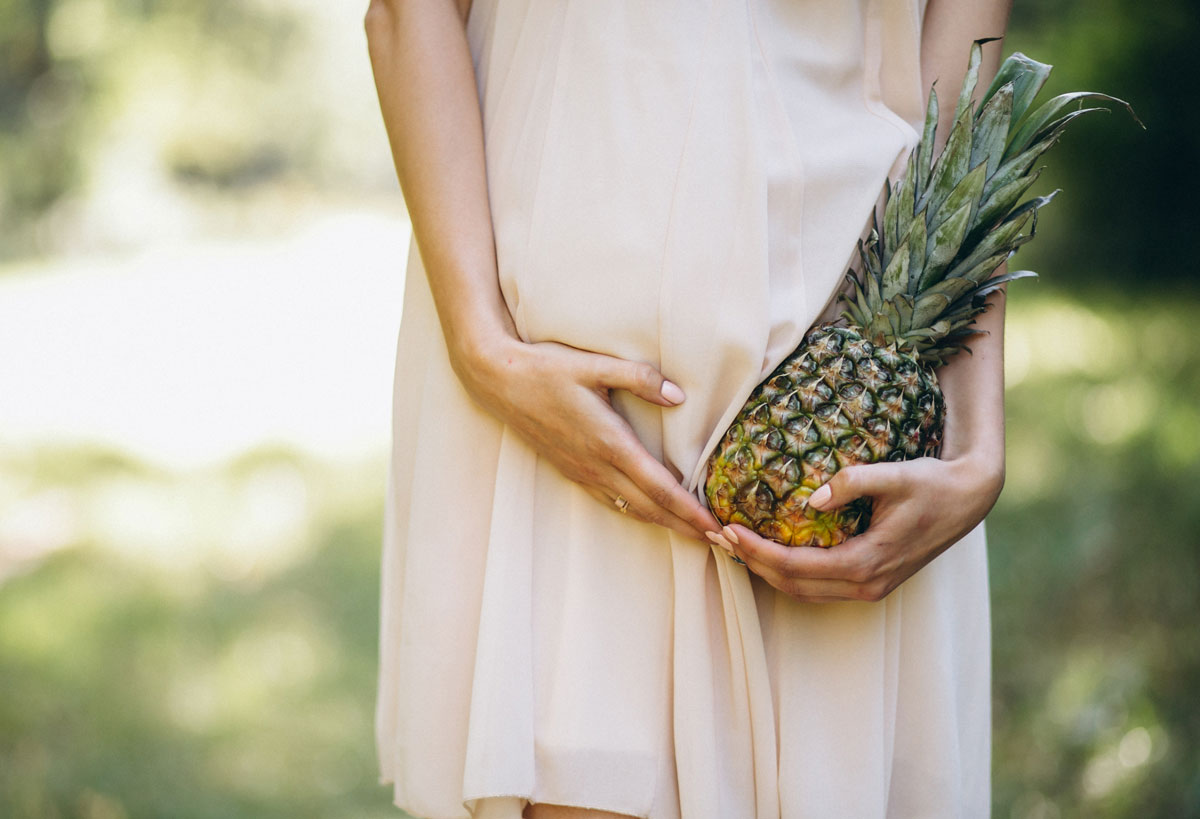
(793, 523)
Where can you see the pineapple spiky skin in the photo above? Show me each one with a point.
(866, 392)
(837, 401)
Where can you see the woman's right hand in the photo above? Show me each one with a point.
(558, 398)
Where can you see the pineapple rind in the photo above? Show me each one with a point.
(838, 401)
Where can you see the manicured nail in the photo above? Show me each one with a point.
(730, 535)
(672, 393)
(821, 497)
(719, 541)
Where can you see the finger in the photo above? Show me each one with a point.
(608, 498)
(805, 571)
(602, 495)
(644, 508)
(855, 482)
(805, 590)
(773, 558)
(661, 487)
(638, 378)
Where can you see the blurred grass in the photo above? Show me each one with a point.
(221, 685)
(1095, 556)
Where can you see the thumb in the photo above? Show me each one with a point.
(641, 379)
(852, 483)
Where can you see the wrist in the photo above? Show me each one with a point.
(973, 440)
(481, 352)
(981, 470)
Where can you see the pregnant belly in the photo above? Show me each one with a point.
(587, 280)
(694, 300)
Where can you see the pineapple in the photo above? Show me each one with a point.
(866, 391)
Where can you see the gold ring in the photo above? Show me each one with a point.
(622, 504)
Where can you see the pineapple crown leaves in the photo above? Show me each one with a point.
(953, 219)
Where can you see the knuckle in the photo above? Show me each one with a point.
(595, 446)
(660, 496)
(646, 377)
(874, 591)
(861, 572)
(605, 448)
(860, 592)
(793, 588)
(846, 480)
(600, 370)
(584, 473)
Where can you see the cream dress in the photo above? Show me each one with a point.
(679, 182)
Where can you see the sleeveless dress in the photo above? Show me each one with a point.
(682, 183)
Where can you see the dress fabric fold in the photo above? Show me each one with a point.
(681, 183)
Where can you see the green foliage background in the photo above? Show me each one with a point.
(134, 690)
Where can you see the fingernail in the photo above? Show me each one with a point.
(821, 497)
(672, 393)
(730, 535)
(719, 541)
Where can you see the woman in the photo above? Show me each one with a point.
(624, 215)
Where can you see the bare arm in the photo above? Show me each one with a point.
(557, 398)
(973, 384)
(920, 507)
(427, 92)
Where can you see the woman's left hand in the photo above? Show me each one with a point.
(919, 509)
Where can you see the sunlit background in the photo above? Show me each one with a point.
(201, 247)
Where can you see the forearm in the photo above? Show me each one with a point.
(430, 104)
(973, 384)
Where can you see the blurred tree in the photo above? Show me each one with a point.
(40, 115)
(1096, 564)
(200, 89)
(1095, 552)
(1129, 208)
